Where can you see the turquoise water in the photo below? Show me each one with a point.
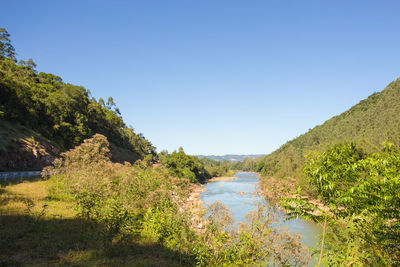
(239, 195)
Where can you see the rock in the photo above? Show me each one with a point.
(26, 155)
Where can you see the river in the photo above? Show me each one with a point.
(239, 195)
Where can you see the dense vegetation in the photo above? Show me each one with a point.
(218, 168)
(59, 111)
(361, 205)
(129, 214)
(248, 164)
(179, 164)
(353, 182)
(182, 165)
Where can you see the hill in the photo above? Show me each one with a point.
(38, 107)
(231, 157)
(368, 124)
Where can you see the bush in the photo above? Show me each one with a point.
(184, 166)
(139, 203)
(362, 194)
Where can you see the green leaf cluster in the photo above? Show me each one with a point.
(181, 165)
(361, 196)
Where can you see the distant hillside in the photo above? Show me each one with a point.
(369, 123)
(231, 157)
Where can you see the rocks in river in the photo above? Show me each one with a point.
(242, 192)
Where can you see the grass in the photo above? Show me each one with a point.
(36, 230)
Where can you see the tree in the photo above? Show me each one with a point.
(6, 48)
(184, 166)
(362, 200)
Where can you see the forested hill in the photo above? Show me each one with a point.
(41, 106)
(368, 124)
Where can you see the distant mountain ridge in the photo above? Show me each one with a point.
(231, 157)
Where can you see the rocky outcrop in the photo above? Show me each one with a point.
(27, 154)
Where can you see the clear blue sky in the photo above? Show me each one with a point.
(215, 77)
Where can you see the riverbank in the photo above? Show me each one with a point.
(274, 189)
(195, 206)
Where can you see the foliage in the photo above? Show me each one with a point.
(218, 168)
(128, 202)
(362, 194)
(257, 243)
(142, 203)
(6, 48)
(249, 164)
(219, 215)
(166, 226)
(179, 164)
(332, 173)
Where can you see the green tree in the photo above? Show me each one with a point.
(6, 48)
(184, 166)
(362, 194)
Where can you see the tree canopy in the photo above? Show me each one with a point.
(182, 165)
(6, 48)
(362, 194)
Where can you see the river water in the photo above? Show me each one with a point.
(239, 195)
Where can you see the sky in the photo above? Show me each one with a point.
(215, 77)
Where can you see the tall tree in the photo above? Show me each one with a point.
(6, 48)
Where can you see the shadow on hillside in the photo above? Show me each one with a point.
(31, 240)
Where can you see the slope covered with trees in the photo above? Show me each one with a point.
(368, 124)
(59, 111)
